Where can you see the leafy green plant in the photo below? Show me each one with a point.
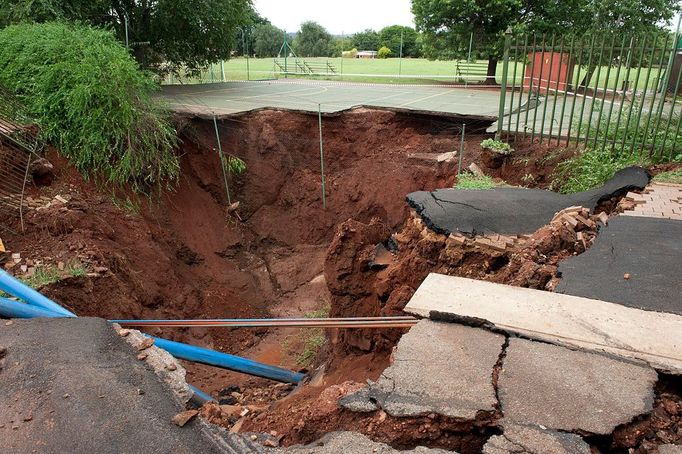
(233, 164)
(384, 52)
(672, 176)
(91, 101)
(311, 339)
(497, 146)
(471, 181)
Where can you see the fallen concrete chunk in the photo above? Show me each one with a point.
(520, 439)
(511, 210)
(439, 368)
(354, 443)
(567, 320)
(572, 391)
(670, 449)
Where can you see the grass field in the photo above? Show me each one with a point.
(394, 70)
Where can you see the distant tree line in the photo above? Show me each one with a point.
(313, 40)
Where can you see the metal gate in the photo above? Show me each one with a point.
(597, 91)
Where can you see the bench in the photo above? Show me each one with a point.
(464, 69)
(302, 66)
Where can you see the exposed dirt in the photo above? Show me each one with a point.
(662, 426)
(181, 255)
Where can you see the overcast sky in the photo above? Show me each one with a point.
(347, 16)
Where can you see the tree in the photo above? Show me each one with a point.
(447, 26)
(267, 40)
(244, 35)
(390, 37)
(366, 40)
(162, 33)
(313, 40)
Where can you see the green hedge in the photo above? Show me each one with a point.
(91, 101)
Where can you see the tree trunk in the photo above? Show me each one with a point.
(490, 73)
(586, 78)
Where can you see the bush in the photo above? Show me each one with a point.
(384, 52)
(91, 101)
(591, 168)
(349, 53)
(497, 146)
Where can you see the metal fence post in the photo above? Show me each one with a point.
(503, 84)
(461, 150)
(319, 120)
(223, 160)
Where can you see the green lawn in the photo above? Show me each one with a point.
(394, 70)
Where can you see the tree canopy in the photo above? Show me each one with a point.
(267, 40)
(447, 26)
(390, 37)
(366, 40)
(313, 40)
(174, 32)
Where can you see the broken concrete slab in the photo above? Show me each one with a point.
(670, 449)
(648, 250)
(74, 385)
(566, 320)
(354, 443)
(525, 439)
(439, 368)
(511, 210)
(572, 391)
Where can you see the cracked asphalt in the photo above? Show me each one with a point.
(511, 210)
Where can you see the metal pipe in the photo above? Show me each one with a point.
(294, 323)
(227, 361)
(15, 287)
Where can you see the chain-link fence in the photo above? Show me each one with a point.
(18, 142)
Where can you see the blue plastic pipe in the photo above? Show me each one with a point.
(227, 361)
(15, 287)
(200, 394)
(17, 309)
(44, 307)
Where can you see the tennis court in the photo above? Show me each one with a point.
(237, 97)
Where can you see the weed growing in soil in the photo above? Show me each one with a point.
(497, 146)
(46, 275)
(311, 339)
(471, 181)
(673, 176)
(43, 276)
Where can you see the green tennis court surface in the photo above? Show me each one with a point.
(523, 113)
(236, 97)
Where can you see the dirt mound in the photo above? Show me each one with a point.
(360, 287)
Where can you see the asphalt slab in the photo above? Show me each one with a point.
(511, 210)
(72, 385)
(635, 261)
